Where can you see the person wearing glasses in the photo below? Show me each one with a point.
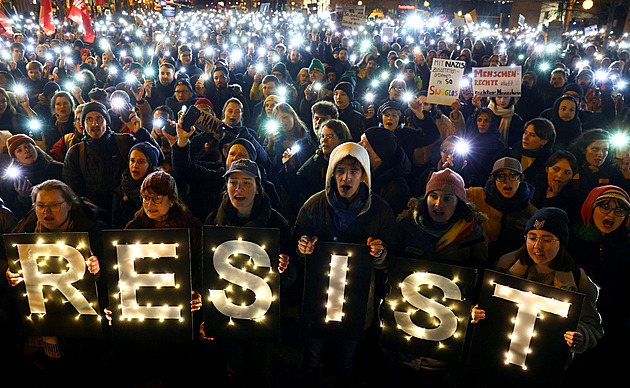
(543, 257)
(93, 167)
(600, 245)
(505, 200)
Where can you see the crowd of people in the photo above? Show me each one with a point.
(325, 133)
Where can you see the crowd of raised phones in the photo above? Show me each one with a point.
(329, 139)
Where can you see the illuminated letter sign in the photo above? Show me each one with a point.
(336, 290)
(59, 294)
(522, 337)
(241, 282)
(426, 313)
(152, 269)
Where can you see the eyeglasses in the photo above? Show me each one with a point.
(328, 137)
(52, 207)
(511, 177)
(545, 240)
(617, 211)
(156, 199)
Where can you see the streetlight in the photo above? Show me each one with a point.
(587, 4)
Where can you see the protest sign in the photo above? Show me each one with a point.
(58, 295)
(444, 84)
(426, 313)
(336, 286)
(241, 283)
(152, 269)
(501, 81)
(521, 340)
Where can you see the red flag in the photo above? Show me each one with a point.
(79, 14)
(5, 26)
(46, 17)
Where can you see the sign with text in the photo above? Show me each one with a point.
(337, 281)
(427, 311)
(241, 283)
(522, 337)
(151, 268)
(502, 81)
(351, 20)
(58, 294)
(445, 81)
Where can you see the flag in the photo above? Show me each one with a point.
(46, 17)
(79, 14)
(5, 26)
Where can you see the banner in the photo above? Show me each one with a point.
(149, 282)
(46, 17)
(426, 313)
(503, 81)
(445, 81)
(352, 20)
(79, 14)
(336, 286)
(58, 295)
(241, 284)
(521, 340)
(6, 29)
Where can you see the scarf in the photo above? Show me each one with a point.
(446, 234)
(518, 202)
(227, 214)
(130, 188)
(66, 226)
(346, 212)
(506, 115)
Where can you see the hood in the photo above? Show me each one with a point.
(341, 152)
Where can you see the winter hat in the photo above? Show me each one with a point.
(351, 149)
(331, 69)
(507, 163)
(251, 150)
(17, 140)
(50, 88)
(410, 66)
(347, 88)
(95, 106)
(150, 151)
(205, 101)
(550, 219)
(449, 181)
(383, 142)
(600, 194)
(161, 182)
(134, 66)
(185, 82)
(573, 87)
(85, 51)
(316, 65)
(246, 166)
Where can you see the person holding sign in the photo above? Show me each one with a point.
(345, 211)
(544, 258)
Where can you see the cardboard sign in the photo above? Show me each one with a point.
(521, 340)
(58, 295)
(336, 286)
(502, 81)
(241, 283)
(445, 81)
(152, 271)
(426, 313)
(352, 20)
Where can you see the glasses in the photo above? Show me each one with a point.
(52, 207)
(328, 137)
(97, 120)
(545, 240)
(513, 177)
(156, 199)
(617, 211)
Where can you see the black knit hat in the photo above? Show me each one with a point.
(550, 219)
(347, 88)
(383, 142)
(95, 106)
(251, 150)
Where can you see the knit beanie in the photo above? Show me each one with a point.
(449, 181)
(95, 106)
(573, 87)
(251, 150)
(150, 151)
(161, 182)
(383, 142)
(550, 219)
(600, 194)
(50, 88)
(17, 140)
(347, 88)
(185, 82)
(316, 65)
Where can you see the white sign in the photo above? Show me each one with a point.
(504, 81)
(445, 81)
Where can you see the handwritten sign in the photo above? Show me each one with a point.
(503, 81)
(445, 81)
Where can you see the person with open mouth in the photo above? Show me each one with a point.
(505, 199)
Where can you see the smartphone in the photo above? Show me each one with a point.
(190, 118)
(124, 111)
